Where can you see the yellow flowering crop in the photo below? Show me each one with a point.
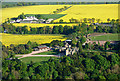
(8, 39)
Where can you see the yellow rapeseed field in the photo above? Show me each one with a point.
(97, 11)
(40, 25)
(8, 39)
(36, 9)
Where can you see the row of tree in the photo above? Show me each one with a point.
(61, 9)
(88, 20)
(81, 28)
(10, 4)
(13, 4)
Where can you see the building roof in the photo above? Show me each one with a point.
(68, 40)
(42, 47)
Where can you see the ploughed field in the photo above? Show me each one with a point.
(8, 39)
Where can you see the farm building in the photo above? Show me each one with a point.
(18, 20)
(42, 48)
(30, 18)
(49, 20)
(12, 21)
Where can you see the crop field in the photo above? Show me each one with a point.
(36, 9)
(27, 60)
(8, 39)
(40, 25)
(111, 37)
(97, 11)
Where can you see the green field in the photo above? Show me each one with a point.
(107, 37)
(48, 53)
(27, 60)
(53, 16)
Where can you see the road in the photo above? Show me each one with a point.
(35, 52)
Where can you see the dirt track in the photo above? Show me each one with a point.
(35, 52)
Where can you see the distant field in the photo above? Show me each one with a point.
(27, 60)
(48, 53)
(53, 16)
(111, 37)
(97, 11)
(8, 39)
(36, 9)
(40, 25)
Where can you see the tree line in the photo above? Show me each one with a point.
(13, 4)
(10, 4)
(81, 28)
(81, 65)
(18, 49)
(61, 9)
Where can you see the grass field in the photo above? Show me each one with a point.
(40, 25)
(27, 60)
(8, 39)
(97, 11)
(36, 9)
(110, 37)
(53, 16)
(48, 53)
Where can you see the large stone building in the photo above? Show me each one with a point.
(68, 50)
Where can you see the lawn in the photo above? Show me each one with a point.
(27, 60)
(48, 53)
(8, 39)
(107, 37)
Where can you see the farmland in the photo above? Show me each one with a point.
(40, 25)
(22, 39)
(101, 11)
(110, 37)
(37, 9)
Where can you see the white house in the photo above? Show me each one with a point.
(49, 20)
(30, 18)
(12, 21)
(18, 20)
